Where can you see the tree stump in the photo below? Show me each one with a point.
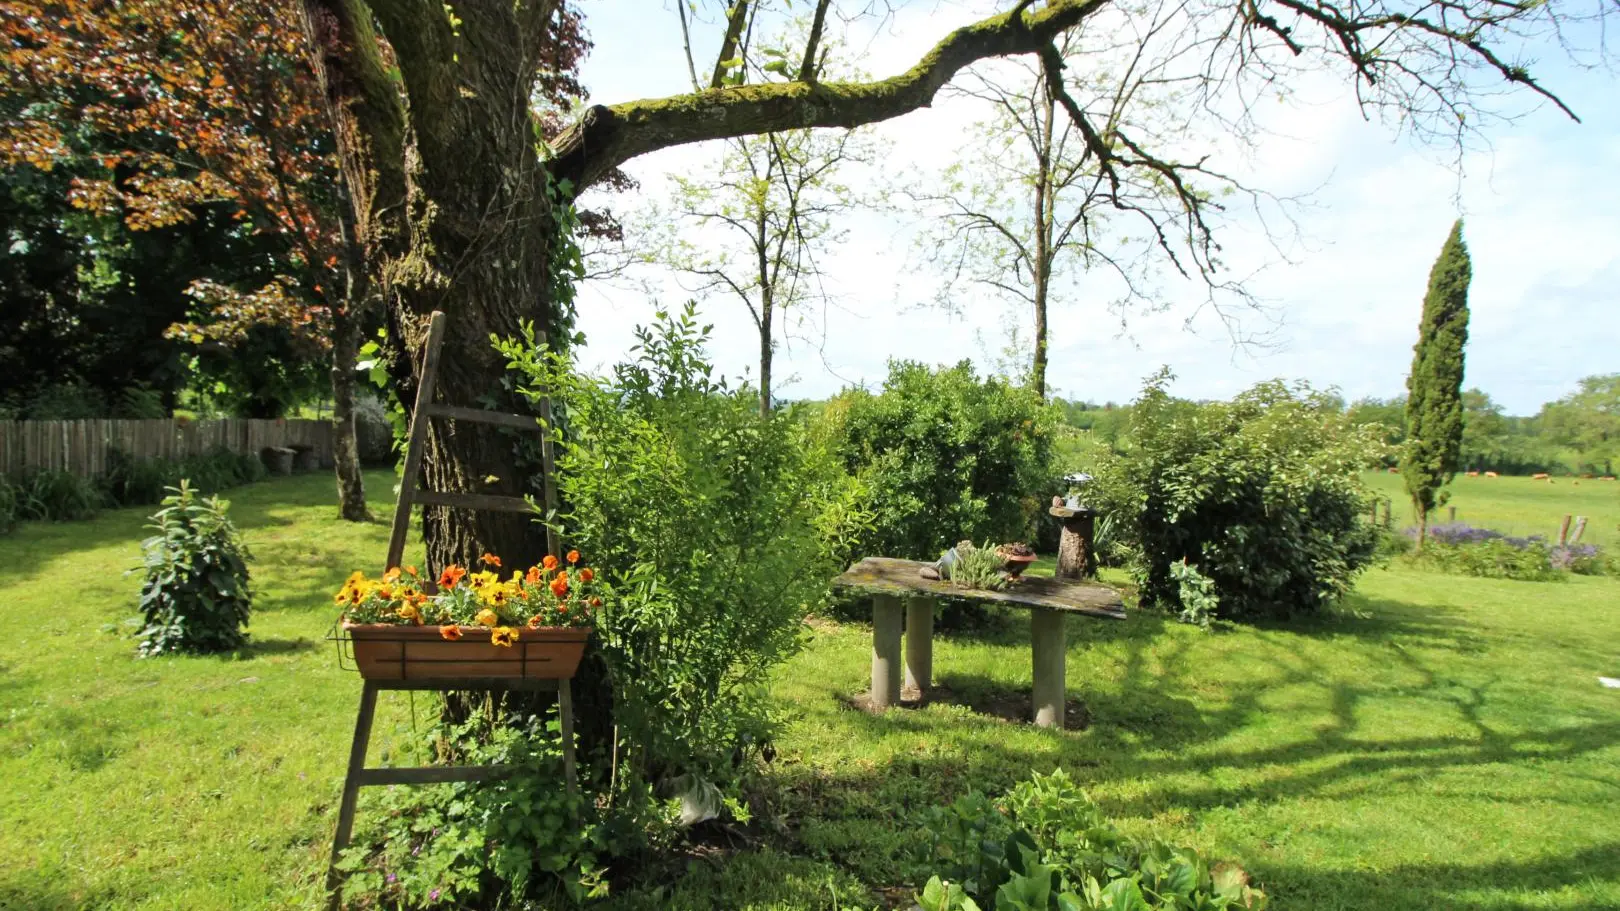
(1077, 556)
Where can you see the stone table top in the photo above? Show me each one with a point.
(887, 576)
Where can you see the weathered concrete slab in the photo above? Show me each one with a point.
(889, 577)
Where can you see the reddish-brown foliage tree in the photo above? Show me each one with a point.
(199, 102)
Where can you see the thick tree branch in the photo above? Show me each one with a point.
(607, 137)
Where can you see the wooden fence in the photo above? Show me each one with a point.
(81, 446)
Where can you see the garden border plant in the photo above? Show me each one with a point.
(196, 595)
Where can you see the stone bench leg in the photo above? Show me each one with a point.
(1047, 650)
(885, 651)
(920, 642)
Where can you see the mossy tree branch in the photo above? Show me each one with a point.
(607, 137)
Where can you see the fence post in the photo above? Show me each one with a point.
(1563, 532)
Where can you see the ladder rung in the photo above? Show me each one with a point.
(480, 416)
(473, 501)
(434, 774)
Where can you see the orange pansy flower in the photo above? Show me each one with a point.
(536, 622)
(549, 562)
(586, 575)
(452, 574)
(391, 575)
(450, 632)
(559, 586)
(573, 556)
(490, 560)
(533, 576)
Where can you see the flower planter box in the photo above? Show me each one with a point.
(389, 652)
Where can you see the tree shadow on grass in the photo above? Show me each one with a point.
(1430, 626)
(981, 695)
(1153, 748)
(259, 648)
(33, 890)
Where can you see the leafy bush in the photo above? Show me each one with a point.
(8, 505)
(56, 496)
(139, 402)
(1047, 847)
(471, 845)
(943, 455)
(1457, 547)
(196, 596)
(131, 481)
(1260, 495)
(1196, 591)
(1580, 559)
(721, 526)
(70, 401)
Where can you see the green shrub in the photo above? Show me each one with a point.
(1495, 558)
(1260, 495)
(719, 529)
(131, 481)
(475, 845)
(1047, 847)
(944, 456)
(1199, 601)
(8, 505)
(70, 401)
(196, 596)
(56, 496)
(139, 402)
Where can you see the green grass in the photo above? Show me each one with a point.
(1439, 742)
(1520, 506)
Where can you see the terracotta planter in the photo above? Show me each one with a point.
(1014, 566)
(387, 652)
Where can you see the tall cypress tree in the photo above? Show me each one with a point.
(1434, 406)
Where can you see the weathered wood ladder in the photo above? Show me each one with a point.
(359, 775)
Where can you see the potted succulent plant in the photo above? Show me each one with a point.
(1016, 557)
(471, 624)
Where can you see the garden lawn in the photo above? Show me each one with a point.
(1440, 742)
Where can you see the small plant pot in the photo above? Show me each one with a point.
(1014, 566)
(384, 651)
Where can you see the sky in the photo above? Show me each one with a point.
(1542, 221)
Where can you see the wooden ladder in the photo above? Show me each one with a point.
(359, 775)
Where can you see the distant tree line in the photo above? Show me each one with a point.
(1576, 434)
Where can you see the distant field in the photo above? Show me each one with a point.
(1520, 505)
